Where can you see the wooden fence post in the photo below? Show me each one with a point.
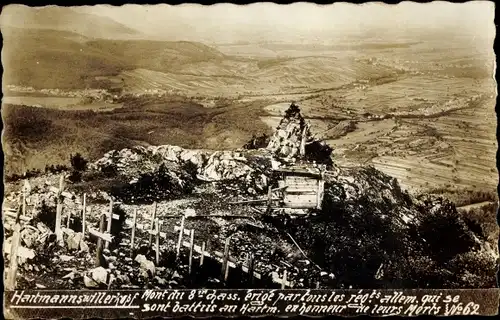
(10, 283)
(181, 234)
(153, 217)
(132, 239)
(99, 241)
(84, 213)
(69, 219)
(191, 245)
(202, 258)
(110, 221)
(57, 230)
(250, 267)
(225, 258)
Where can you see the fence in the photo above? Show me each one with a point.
(154, 229)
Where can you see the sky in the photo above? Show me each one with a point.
(269, 21)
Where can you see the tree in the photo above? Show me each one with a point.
(78, 162)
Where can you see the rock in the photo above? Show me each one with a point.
(84, 246)
(147, 267)
(70, 275)
(29, 235)
(176, 275)
(65, 258)
(100, 275)
(89, 283)
(40, 286)
(73, 240)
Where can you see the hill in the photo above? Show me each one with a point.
(368, 233)
(64, 19)
(44, 58)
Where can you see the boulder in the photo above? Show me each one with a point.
(147, 266)
(73, 240)
(99, 275)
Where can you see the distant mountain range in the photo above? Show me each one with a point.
(65, 19)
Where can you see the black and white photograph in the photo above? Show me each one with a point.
(259, 146)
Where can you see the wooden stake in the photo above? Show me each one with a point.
(132, 239)
(84, 213)
(59, 208)
(270, 197)
(99, 242)
(179, 242)
(110, 220)
(202, 258)
(250, 267)
(226, 273)
(69, 219)
(10, 283)
(224, 261)
(283, 281)
(191, 245)
(153, 217)
(157, 229)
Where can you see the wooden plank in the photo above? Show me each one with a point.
(110, 221)
(191, 244)
(84, 214)
(181, 234)
(202, 257)
(293, 190)
(321, 192)
(59, 209)
(132, 238)
(225, 258)
(187, 232)
(100, 237)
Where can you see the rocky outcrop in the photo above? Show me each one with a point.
(293, 140)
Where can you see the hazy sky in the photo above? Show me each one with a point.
(228, 22)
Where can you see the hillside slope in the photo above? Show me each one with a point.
(64, 19)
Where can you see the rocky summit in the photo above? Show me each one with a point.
(369, 232)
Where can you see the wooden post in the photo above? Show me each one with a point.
(57, 230)
(283, 281)
(132, 239)
(84, 213)
(110, 220)
(202, 258)
(10, 283)
(153, 217)
(99, 242)
(250, 267)
(226, 273)
(179, 242)
(191, 245)
(224, 261)
(69, 219)
(157, 229)
(269, 197)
